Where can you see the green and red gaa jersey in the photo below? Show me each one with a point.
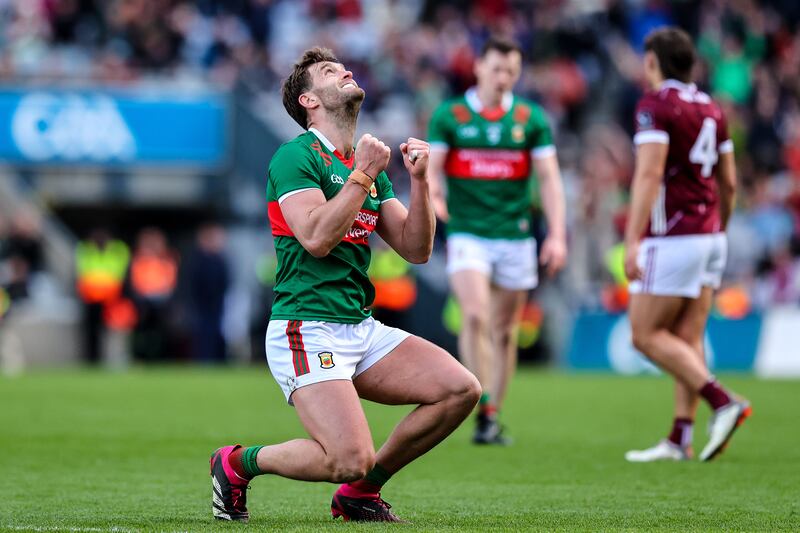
(334, 288)
(488, 165)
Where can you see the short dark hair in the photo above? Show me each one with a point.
(299, 81)
(503, 45)
(675, 52)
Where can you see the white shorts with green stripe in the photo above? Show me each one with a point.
(301, 352)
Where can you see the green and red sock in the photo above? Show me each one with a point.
(243, 462)
(485, 405)
(369, 486)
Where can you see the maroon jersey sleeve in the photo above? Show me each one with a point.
(724, 142)
(652, 121)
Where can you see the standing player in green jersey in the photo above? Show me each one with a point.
(484, 143)
(323, 347)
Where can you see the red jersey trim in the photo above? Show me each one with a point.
(488, 164)
(348, 162)
(279, 226)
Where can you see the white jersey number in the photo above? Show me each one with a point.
(704, 151)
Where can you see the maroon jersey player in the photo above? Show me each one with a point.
(682, 197)
(694, 128)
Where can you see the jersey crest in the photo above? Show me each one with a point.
(461, 113)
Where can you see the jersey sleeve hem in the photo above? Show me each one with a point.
(540, 152)
(286, 195)
(439, 146)
(388, 200)
(651, 136)
(725, 147)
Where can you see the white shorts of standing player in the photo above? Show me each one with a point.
(509, 263)
(681, 265)
(303, 352)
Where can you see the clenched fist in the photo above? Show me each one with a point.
(372, 156)
(415, 157)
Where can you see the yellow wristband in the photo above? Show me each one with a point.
(362, 179)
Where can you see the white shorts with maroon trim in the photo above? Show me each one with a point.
(509, 263)
(300, 353)
(681, 265)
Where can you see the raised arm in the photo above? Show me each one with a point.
(436, 182)
(410, 232)
(553, 253)
(320, 225)
(651, 158)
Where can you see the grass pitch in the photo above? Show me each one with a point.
(91, 451)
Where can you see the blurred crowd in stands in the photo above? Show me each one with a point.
(582, 63)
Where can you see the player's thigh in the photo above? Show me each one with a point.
(691, 323)
(506, 308)
(331, 413)
(416, 372)
(469, 268)
(649, 312)
(472, 290)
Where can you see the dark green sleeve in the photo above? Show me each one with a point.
(384, 186)
(540, 140)
(292, 168)
(440, 130)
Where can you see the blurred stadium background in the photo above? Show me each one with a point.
(136, 135)
(134, 142)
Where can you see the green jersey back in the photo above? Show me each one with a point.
(488, 163)
(334, 288)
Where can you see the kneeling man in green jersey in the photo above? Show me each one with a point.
(325, 198)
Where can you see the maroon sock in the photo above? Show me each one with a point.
(714, 394)
(681, 434)
(235, 462)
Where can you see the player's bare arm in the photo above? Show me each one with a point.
(436, 183)
(647, 176)
(554, 248)
(410, 231)
(320, 225)
(726, 181)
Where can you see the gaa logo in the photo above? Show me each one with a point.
(326, 360)
(335, 178)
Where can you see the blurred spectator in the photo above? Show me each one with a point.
(25, 240)
(101, 265)
(153, 278)
(208, 280)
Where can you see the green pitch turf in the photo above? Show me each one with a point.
(91, 451)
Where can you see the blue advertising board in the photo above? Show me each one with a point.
(602, 341)
(113, 128)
